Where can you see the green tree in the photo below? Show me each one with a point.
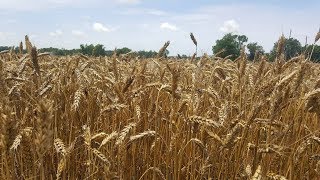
(292, 48)
(54, 51)
(98, 50)
(109, 53)
(183, 56)
(3, 48)
(315, 57)
(123, 50)
(253, 48)
(242, 39)
(86, 49)
(147, 54)
(231, 44)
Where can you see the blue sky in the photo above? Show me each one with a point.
(147, 24)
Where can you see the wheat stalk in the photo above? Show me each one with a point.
(142, 135)
(16, 142)
(21, 48)
(60, 147)
(194, 42)
(123, 134)
(28, 44)
(281, 45)
(163, 49)
(108, 138)
(257, 174)
(317, 36)
(34, 59)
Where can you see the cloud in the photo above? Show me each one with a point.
(128, 1)
(100, 27)
(78, 33)
(168, 26)
(230, 26)
(57, 32)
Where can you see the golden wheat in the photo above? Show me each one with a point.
(83, 117)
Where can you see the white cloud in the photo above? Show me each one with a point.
(168, 26)
(57, 32)
(128, 1)
(100, 27)
(78, 33)
(230, 26)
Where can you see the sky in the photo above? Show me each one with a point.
(148, 24)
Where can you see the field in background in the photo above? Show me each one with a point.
(124, 118)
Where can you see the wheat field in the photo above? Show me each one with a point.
(121, 117)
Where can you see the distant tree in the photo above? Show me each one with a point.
(183, 56)
(315, 57)
(60, 52)
(3, 48)
(86, 49)
(123, 50)
(147, 54)
(242, 39)
(292, 48)
(98, 50)
(231, 44)
(253, 48)
(109, 53)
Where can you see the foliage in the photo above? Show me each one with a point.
(292, 48)
(98, 50)
(230, 44)
(87, 49)
(123, 50)
(60, 52)
(3, 48)
(316, 52)
(253, 48)
(147, 54)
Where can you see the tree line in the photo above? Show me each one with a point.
(90, 50)
(228, 46)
